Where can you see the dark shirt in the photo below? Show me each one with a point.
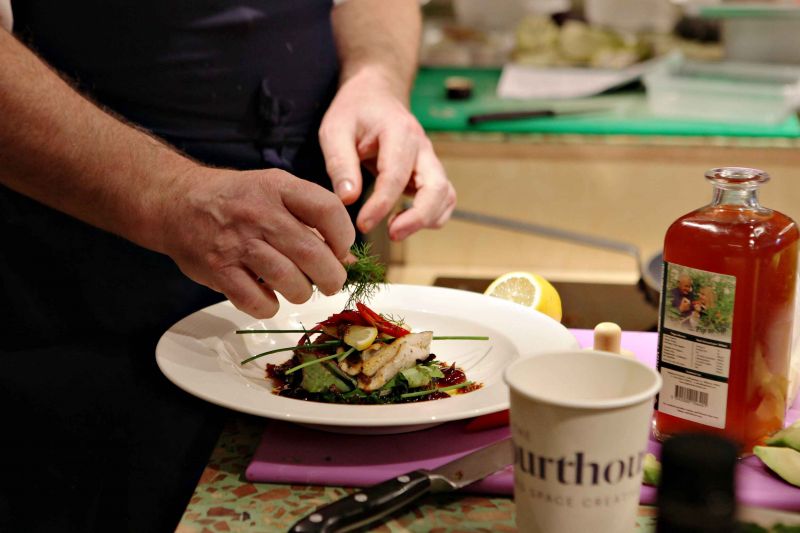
(98, 439)
(677, 296)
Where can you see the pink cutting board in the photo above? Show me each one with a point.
(289, 453)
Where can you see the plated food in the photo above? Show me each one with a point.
(203, 354)
(358, 356)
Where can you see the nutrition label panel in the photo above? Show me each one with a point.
(695, 378)
(696, 354)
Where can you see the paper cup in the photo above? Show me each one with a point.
(580, 422)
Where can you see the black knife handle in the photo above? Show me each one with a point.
(366, 506)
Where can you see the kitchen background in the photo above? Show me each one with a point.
(661, 91)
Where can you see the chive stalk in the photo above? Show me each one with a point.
(311, 362)
(326, 344)
(385, 339)
(243, 331)
(461, 338)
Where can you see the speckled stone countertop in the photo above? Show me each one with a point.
(225, 501)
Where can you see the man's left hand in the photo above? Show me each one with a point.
(368, 123)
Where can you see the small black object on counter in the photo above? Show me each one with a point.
(697, 489)
(458, 88)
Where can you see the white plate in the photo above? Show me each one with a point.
(202, 354)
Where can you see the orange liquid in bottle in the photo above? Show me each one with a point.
(757, 247)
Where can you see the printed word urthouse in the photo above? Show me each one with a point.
(727, 307)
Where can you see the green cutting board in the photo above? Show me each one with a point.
(618, 112)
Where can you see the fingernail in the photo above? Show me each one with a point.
(344, 187)
(365, 225)
(398, 235)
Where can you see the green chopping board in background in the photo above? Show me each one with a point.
(622, 112)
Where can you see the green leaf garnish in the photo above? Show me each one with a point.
(364, 275)
(421, 375)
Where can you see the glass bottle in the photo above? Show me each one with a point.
(727, 306)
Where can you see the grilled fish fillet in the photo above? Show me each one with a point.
(385, 361)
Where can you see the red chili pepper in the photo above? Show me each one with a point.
(345, 317)
(368, 314)
(492, 420)
(383, 325)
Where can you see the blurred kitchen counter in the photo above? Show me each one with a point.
(623, 175)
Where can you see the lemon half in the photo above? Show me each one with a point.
(528, 289)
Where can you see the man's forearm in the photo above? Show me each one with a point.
(379, 35)
(62, 150)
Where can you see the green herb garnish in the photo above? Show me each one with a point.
(364, 275)
(242, 331)
(325, 344)
(461, 338)
(382, 339)
(320, 360)
(330, 343)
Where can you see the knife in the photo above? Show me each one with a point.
(530, 113)
(378, 501)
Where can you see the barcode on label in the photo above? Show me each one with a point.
(690, 395)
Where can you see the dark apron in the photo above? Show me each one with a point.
(236, 84)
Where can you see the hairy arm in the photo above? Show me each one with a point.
(224, 228)
(369, 121)
(62, 150)
(379, 40)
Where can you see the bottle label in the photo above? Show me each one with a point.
(694, 343)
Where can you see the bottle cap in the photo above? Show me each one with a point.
(696, 492)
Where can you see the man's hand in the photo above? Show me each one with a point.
(224, 229)
(367, 123)
(248, 235)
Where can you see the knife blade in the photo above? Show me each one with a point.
(378, 501)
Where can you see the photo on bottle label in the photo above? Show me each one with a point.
(698, 302)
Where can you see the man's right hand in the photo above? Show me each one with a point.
(224, 228)
(249, 234)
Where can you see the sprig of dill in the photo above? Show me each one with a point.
(364, 275)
